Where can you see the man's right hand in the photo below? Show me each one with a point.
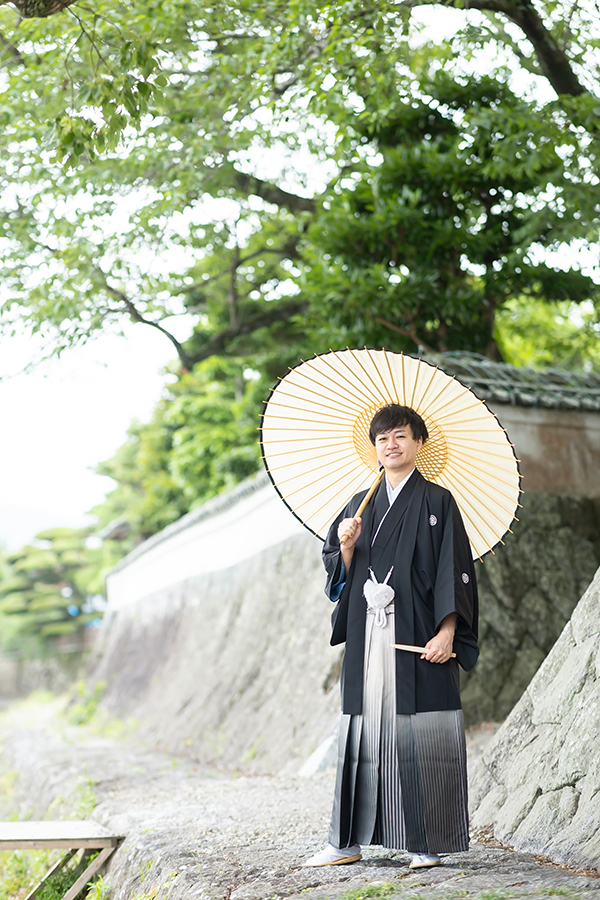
(351, 529)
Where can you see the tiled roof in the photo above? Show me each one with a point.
(503, 383)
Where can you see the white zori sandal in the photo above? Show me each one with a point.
(332, 856)
(424, 861)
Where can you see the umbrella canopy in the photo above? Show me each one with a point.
(316, 447)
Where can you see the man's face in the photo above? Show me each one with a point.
(397, 449)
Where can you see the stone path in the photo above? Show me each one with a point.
(196, 832)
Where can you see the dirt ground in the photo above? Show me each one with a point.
(193, 831)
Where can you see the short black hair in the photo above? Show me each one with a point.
(395, 416)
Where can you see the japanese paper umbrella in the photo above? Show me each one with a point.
(316, 447)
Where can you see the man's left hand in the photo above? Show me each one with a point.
(439, 648)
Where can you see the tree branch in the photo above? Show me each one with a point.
(250, 184)
(136, 316)
(217, 345)
(553, 60)
(273, 194)
(288, 250)
(234, 322)
(39, 9)
(9, 51)
(406, 333)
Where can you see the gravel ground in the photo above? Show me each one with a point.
(197, 832)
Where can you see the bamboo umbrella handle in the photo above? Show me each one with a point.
(413, 649)
(362, 506)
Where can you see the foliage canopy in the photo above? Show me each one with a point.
(189, 157)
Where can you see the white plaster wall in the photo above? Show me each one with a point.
(207, 540)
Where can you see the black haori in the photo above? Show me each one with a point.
(424, 539)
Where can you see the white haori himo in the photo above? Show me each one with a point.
(401, 780)
(379, 596)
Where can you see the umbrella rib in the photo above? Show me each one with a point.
(479, 477)
(277, 469)
(316, 512)
(465, 513)
(316, 481)
(403, 379)
(300, 419)
(329, 389)
(300, 371)
(326, 387)
(465, 488)
(315, 416)
(392, 376)
(385, 388)
(474, 403)
(498, 503)
(329, 437)
(346, 451)
(449, 383)
(467, 421)
(368, 376)
(306, 404)
(314, 398)
(426, 391)
(445, 386)
(358, 390)
(414, 391)
(504, 489)
(281, 469)
(508, 456)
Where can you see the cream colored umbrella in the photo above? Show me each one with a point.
(316, 447)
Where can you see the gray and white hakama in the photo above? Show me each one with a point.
(401, 779)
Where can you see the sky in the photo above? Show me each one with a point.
(63, 418)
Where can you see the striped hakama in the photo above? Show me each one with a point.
(401, 779)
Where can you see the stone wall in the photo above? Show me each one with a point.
(528, 590)
(538, 782)
(233, 665)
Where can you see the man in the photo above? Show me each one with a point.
(402, 573)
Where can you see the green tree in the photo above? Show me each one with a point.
(47, 588)
(421, 251)
(537, 333)
(174, 153)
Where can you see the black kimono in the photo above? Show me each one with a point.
(402, 763)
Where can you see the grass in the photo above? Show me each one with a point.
(78, 805)
(494, 895)
(154, 893)
(84, 705)
(369, 891)
(557, 892)
(59, 883)
(20, 870)
(99, 890)
(388, 890)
